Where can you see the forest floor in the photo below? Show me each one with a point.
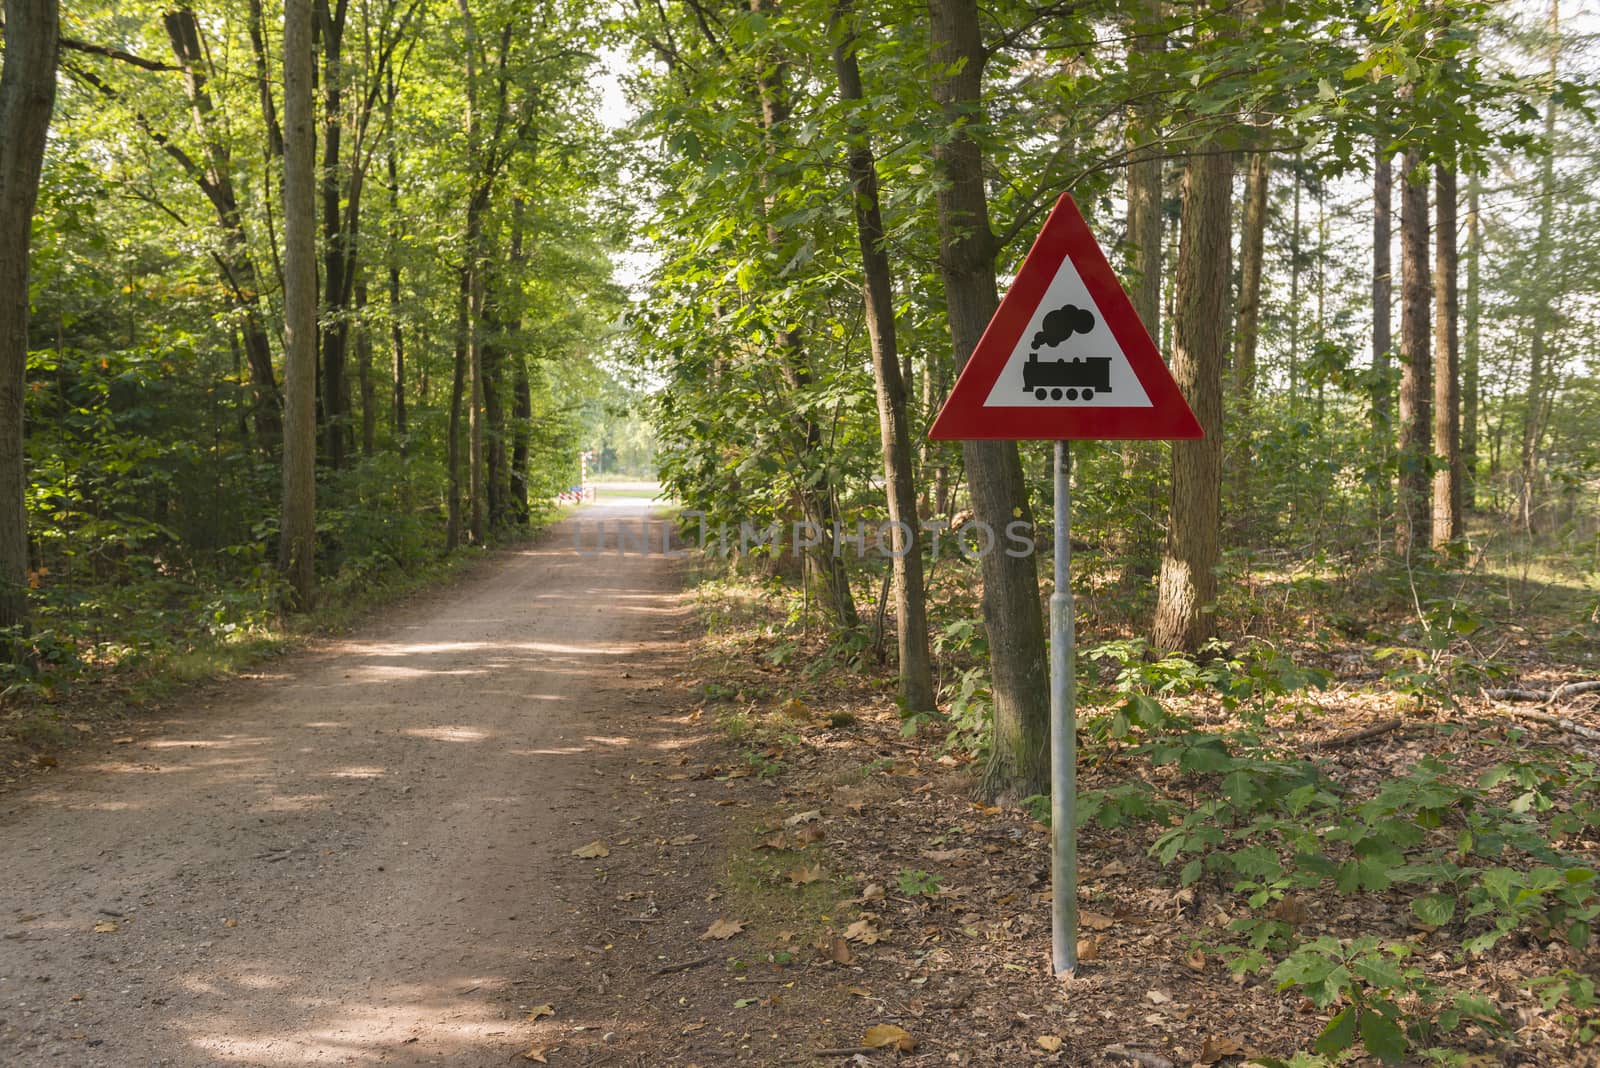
(543, 816)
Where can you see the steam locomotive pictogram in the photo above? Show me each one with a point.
(1079, 378)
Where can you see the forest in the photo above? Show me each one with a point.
(305, 304)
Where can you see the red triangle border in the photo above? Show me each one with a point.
(964, 416)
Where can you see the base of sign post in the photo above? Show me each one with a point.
(1063, 737)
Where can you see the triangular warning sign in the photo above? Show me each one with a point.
(1065, 357)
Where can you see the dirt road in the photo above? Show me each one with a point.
(356, 859)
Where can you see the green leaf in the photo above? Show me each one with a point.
(1383, 1037)
(1340, 1034)
(1435, 910)
(1378, 973)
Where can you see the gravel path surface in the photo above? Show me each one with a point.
(350, 860)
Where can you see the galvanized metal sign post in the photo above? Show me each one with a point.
(1064, 358)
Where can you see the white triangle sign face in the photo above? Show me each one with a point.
(1065, 356)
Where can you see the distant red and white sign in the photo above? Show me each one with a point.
(1065, 357)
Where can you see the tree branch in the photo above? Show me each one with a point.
(113, 53)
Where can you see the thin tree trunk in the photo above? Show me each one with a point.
(1139, 543)
(522, 417)
(1019, 761)
(497, 483)
(336, 252)
(1145, 223)
(27, 99)
(397, 347)
(1294, 287)
(522, 392)
(1447, 521)
(1382, 323)
(475, 300)
(1416, 425)
(458, 387)
(369, 413)
(911, 612)
(1322, 300)
(816, 494)
(1470, 352)
(1247, 324)
(1533, 409)
(297, 551)
(1188, 586)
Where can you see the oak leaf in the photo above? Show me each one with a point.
(722, 929)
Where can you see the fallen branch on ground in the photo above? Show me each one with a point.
(1559, 722)
(668, 969)
(1352, 738)
(1560, 693)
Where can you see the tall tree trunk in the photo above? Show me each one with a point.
(1139, 542)
(1470, 352)
(522, 391)
(497, 483)
(297, 551)
(458, 387)
(1533, 409)
(27, 99)
(522, 418)
(817, 489)
(1019, 761)
(475, 301)
(1188, 587)
(1294, 284)
(1247, 323)
(1416, 426)
(1322, 299)
(337, 248)
(1382, 322)
(911, 611)
(369, 414)
(1145, 223)
(397, 347)
(1447, 521)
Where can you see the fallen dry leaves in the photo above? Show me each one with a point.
(592, 851)
(722, 930)
(805, 876)
(1215, 1049)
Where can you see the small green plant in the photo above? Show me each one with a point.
(1573, 989)
(1372, 978)
(765, 765)
(916, 883)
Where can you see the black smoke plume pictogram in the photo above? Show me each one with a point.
(1062, 324)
